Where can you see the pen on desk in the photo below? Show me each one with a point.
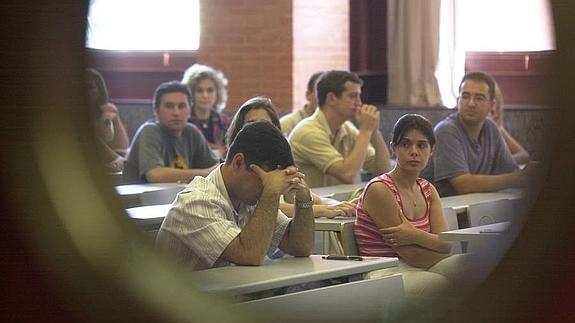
(337, 257)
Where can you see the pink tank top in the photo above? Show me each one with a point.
(367, 235)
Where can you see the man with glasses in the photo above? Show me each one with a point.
(470, 155)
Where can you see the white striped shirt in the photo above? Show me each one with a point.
(202, 222)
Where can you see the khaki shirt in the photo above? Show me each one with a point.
(289, 121)
(315, 148)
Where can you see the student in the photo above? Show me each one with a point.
(209, 95)
(232, 216)
(262, 109)
(327, 147)
(289, 121)
(110, 131)
(520, 155)
(169, 149)
(471, 155)
(399, 214)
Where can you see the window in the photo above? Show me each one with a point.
(507, 26)
(143, 25)
(488, 26)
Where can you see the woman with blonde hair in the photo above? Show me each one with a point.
(209, 95)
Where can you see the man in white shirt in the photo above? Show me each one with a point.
(232, 216)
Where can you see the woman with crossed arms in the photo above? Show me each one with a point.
(399, 214)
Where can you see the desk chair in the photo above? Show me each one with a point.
(347, 238)
(337, 242)
(453, 224)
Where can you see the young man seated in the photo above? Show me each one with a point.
(471, 155)
(169, 149)
(232, 216)
(327, 147)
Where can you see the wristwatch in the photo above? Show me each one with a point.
(304, 205)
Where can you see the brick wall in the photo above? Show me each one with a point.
(321, 41)
(251, 42)
(263, 47)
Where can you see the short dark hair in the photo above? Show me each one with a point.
(313, 81)
(412, 121)
(480, 77)
(334, 82)
(262, 144)
(170, 87)
(239, 119)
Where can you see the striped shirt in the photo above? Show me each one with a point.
(202, 222)
(367, 236)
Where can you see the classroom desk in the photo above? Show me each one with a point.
(484, 238)
(338, 192)
(469, 208)
(462, 202)
(149, 217)
(331, 234)
(284, 272)
(148, 194)
(476, 234)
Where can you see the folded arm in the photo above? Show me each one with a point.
(414, 246)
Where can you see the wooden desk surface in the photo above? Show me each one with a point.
(277, 273)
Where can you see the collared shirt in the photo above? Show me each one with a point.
(315, 149)
(289, 121)
(202, 222)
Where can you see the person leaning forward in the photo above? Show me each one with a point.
(232, 216)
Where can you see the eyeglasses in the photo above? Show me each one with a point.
(478, 99)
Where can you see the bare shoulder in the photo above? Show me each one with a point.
(379, 202)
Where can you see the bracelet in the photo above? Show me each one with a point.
(304, 205)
